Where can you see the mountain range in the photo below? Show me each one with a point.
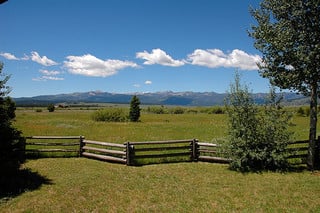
(156, 98)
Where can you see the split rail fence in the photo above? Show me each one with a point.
(131, 153)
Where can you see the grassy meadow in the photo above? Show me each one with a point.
(86, 185)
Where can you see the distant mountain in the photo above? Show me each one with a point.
(156, 98)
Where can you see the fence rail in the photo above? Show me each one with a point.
(298, 152)
(129, 152)
(159, 149)
(209, 152)
(37, 145)
(103, 151)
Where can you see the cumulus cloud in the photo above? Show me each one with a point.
(49, 72)
(158, 56)
(9, 56)
(45, 61)
(214, 58)
(89, 65)
(148, 82)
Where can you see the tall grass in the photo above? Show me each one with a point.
(84, 185)
(152, 126)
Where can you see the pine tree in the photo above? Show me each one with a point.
(134, 113)
(11, 141)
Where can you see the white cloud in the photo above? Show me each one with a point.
(158, 56)
(25, 57)
(9, 56)
(48, 72)
(148, 82)
(45, 61)
(214, 58)
(89, 65)
(137, 85)
(45, 78)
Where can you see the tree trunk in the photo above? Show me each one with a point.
(313, 152)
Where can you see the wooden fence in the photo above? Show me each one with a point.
(209, 152)
(38, 145)
(298, 152)
(131, 152)
(103, 151)
(161, 150)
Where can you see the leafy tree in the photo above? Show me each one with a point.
(51, 108)
(288, 33)
(257, 138)
(134, 113)
(11, 141)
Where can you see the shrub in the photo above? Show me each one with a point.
(300, 111)
(257, 139)
(51, 108)
(177, 110)
(110, 115)
(157, 110)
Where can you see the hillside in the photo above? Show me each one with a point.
(157, 98)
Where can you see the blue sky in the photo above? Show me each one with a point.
(59, 46)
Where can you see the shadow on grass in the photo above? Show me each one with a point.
(14, 184)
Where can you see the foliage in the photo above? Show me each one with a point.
(177, 110)
(110, 115)
(134, 113)
(303, 111)
(51, 108)
(157, 110)
(11, 141)
(257, 138)
(287, 33)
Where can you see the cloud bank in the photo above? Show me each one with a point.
(89, 65)
(158, 56)
(214, 58)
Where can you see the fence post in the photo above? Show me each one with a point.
(194, 154)
(317, 153)
(129, 153)
(81, 144)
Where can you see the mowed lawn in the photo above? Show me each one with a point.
(86, 185)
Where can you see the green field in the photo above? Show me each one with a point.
(85, 185)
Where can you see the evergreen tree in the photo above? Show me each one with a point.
(11, 141)
(134, 113)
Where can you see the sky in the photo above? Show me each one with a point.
(127, 46)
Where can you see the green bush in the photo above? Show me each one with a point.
(51, 108)
(110, 115)
(257, 138)
(177, 110)
(157, 110)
